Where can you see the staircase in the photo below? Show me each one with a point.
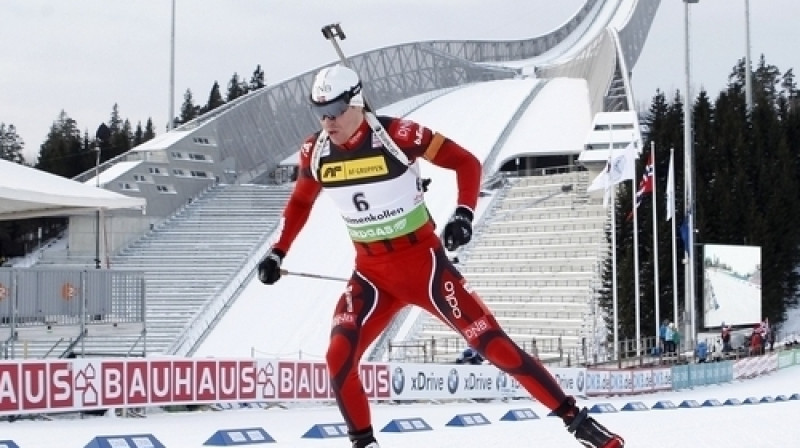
(535, 262)
(187, 260)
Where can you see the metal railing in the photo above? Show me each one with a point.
(43, 303)
(447, 349)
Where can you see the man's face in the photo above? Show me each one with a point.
(341, 128)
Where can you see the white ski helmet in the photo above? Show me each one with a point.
(333, 83)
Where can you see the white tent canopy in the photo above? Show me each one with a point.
(27, 192)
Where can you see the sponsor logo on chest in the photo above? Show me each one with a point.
(354, 169)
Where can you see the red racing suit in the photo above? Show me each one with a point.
(399, 258)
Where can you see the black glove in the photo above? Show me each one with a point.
(458, 230)
(269, 269)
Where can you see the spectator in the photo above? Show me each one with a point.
(756, 343)
(770, 340)
(701, 351)
(662, 335)
(667, 340)
(470, 356)
(726, 338)
(717, 352)
(763, 330)
(676, 338)
(669, 344)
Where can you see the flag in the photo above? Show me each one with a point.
(618, 168)
(685, 234)
(645, 184)
(671, 186)
(601, 182)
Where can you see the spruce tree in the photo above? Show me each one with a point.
(138, 135)
(149, 131)
(257, 79)
(141, 135)
(214, 99)
(774, 223)
(120, 141)
(63, 153)
(189, 111)
(11, 144)
(115, 121)
(236, 88)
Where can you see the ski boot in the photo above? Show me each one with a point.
(592, 434)
(587, 430)
(363, 439)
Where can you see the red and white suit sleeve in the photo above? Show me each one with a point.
(298, 208)
(418, 141)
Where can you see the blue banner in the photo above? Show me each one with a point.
(702, 374)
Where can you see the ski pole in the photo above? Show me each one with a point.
(317, 276)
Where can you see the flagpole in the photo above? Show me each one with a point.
(618, 169)
(636, 271)
(656, 286)
(171, 112)
(615, 295)
(671, 218)
(689, 181)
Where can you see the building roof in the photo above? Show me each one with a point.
(26, 192)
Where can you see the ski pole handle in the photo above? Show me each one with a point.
(331, 32)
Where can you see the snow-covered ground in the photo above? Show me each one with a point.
(730, 299)
(763, 425)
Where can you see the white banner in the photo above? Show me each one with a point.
(449, 381)
(455, 381)
(571, 379)
(626, 382)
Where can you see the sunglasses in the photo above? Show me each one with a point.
(332, 109)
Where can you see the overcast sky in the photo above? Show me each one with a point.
(83, 56)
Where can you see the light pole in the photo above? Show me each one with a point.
(748, 73)
(101, 137)
(688, 177)
(171, 72)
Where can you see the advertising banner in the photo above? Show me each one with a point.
(788, 358)
(605, 382)
(755, 366)
(83, 384)
(448, 381)
(691, 375)
(42, 386)
(571, 379)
